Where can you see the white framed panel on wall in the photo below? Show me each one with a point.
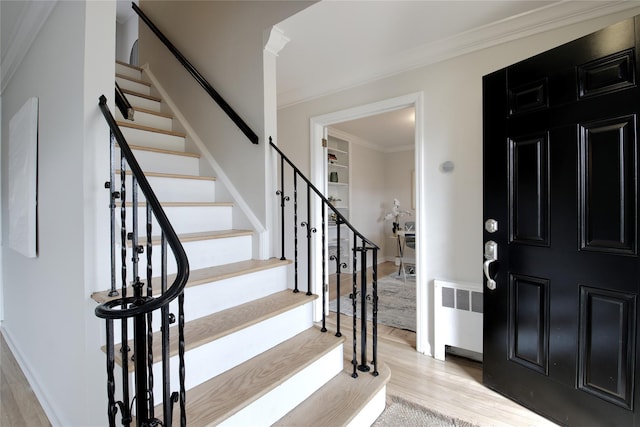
(23, 179)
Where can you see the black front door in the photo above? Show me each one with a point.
(561, 182)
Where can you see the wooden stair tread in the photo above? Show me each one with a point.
(129, 65)
(196, 237)
(339, 400)
(185, 204)
(131, 79)
(171, 175)
(164, 151)
(206, 275)
(155, 113)
(208, 235)
(209, 328)
(132, 125)
(214, 401)
(141, 95)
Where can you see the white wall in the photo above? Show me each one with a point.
(225, 42)
(126, 35)
(48, 317)
(397, 175)
(453, 131)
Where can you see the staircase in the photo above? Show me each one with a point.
(253, 354)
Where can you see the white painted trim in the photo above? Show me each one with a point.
(30, 21)
(262, 233)
(277, 41)
(317, 177)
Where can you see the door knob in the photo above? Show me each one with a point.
(491, 284)
(490, 255)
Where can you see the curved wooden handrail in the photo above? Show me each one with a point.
(107, 310)
(242, 125)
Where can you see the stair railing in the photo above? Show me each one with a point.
(360, 248)
(241, 124)
(123, 104)
(139, 308)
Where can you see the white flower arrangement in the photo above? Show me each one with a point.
(395, 214)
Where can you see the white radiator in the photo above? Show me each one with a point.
(458, 310)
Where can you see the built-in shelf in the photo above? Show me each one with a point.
(338, 188)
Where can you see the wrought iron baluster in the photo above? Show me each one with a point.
(295, 232)
(113, 195)
(124, 333)
(136, 249)
(325, 281)
(283, 199)
(363, 309)
(181, 349)
(167, 404)
(339, 266)
(310, 230)
(374, 286)
(140, 349)
(111, 382)
(354, 296)
(150, 315)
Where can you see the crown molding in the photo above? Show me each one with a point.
(30, 21)
(544, 19)
(277, 41)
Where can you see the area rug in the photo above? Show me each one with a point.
(401, 412)
(396, 303)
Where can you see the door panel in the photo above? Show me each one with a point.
(608, 185)
(560, 177)
(529, 331)
(529, 204)
(607, 345)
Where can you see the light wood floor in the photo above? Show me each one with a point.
(18, 405)
(453, 387)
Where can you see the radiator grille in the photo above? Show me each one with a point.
(462, 299)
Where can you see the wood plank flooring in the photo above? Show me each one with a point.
(18, 404)
(453, 387)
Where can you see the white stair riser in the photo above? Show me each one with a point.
(223, 294)
(151, 161)
(169, 189)
(147, 119)
(278, 402)
(128, 71)
(201, 254)
(184, 219)
(371, 411)
(140, 102)
(205, 299)
(134, 86)
(214, 358)
(153, 139)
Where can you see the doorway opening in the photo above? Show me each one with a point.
(319, 124)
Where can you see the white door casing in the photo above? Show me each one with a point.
(318, 178)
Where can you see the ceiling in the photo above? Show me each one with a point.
(337, 44)
(393, 131)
